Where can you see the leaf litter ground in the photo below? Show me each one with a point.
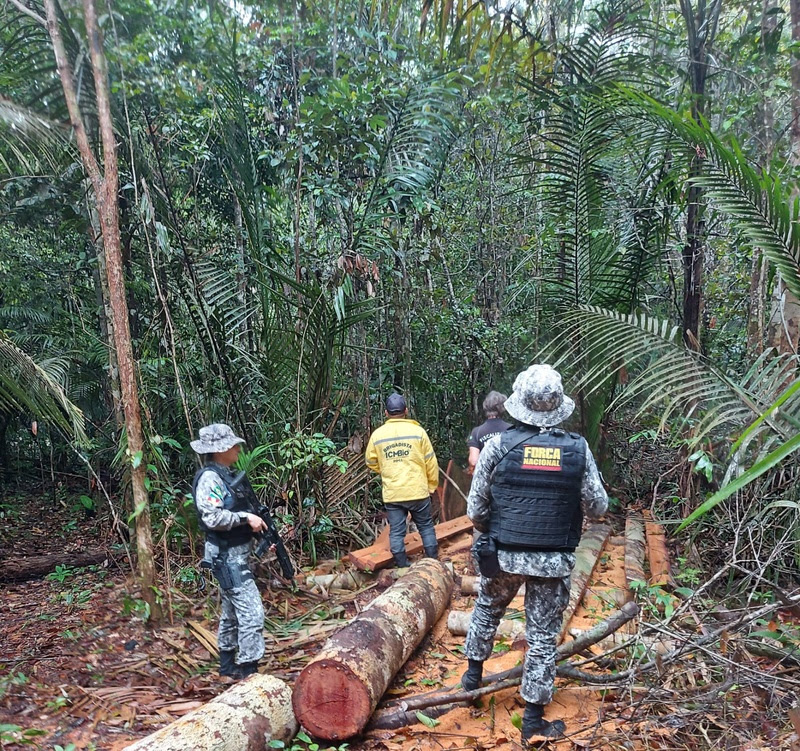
(78, 666)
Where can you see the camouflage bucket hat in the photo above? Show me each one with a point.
(538, 398)
(215, 438)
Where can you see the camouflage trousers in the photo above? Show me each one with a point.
(241, 622)
(545, 600)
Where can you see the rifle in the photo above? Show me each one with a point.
(241, 486)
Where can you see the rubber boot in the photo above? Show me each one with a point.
(432, 553)
(534, 724)
(247, 668)
(227, 662)
(472, 678)
(400, 559)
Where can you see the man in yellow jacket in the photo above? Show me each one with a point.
(401, 453)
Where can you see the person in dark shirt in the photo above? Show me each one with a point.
(494, 425)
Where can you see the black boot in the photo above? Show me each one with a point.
(227, 662)
(472, 678)
(400, 559)
(246, 668)
(432, 553)
(534, 724)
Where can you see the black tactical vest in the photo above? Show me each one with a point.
(239, 535)
(536, 490)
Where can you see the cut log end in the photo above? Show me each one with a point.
(337, 692)
(329, 700)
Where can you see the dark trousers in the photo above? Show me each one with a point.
(397, 514)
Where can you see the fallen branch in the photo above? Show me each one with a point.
(401, 712)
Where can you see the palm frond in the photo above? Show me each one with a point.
(31, 387)
(666, 376)
(756, 202)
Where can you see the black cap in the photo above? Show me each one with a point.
(395, 404)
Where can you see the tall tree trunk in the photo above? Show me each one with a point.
(701, 29)
(105, 184)
(783, 331)
(104, 298)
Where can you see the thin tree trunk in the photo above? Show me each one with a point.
(701, 28)
(783, 331)
(106, 322)
(105, 184)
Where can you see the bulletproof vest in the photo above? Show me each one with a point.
(233, 501)
(536, 490)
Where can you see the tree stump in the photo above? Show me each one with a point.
(338, 691)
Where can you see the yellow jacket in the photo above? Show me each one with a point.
(401, 452)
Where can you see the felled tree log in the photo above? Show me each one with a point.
(403, 711)
(586, 555)
(470, 584)
(349, 580)
(634, 550)
(337, 692)
(657, 553)
(37, 566)
(246, 717)
(458, 623)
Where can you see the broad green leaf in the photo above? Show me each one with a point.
(758, 469)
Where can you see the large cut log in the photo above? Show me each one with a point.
(349, 580)
(337, 692)
(470, 584)
(378, 556)
(36, 566)
(458, 624)
(657, 553)
(586, 555)
(246, 717)
(634, 550)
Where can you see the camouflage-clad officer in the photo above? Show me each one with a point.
(229, 526)
(532, 485)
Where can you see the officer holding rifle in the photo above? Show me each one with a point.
(226, 515)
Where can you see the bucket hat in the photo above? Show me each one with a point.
(215, 438)
(538, 398)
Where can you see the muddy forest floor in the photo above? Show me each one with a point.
(80, 670)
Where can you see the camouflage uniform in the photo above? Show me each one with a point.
(546, 576)
(241, 623)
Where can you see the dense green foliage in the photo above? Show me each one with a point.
(322, 202)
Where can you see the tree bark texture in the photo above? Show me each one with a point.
(701, 30)
(246, 717)
(657, 553)
(634, 550)
(783, 330)
(338, 691)
(458, 624)
(470, 584)
(586, 555)
(105, 184)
